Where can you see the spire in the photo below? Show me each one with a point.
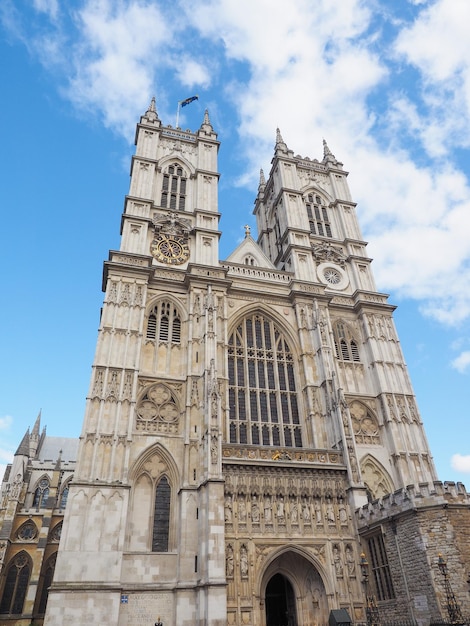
(206, 124)
(34, 438)
(328, 156)
(37, 426)
(280, 143)
(23, 448)
(58, 465)
(262, 179)
(151, 113)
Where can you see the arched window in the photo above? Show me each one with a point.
(164, 323)
(41, 494)
(47, 577)
(318, 216)
(16, 585)
(346, 347)
(174, 188)
(262, 393)
(63, 497)
(161, 519)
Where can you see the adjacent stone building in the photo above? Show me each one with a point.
(250, 427)
(34, 495)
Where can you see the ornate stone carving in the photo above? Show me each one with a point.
(157, 411)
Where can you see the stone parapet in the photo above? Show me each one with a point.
(411, 497)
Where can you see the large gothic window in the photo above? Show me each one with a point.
(16, 585)
(318, 216)
(161, 519)
(262, 393)
(174, 188)
(164, 323)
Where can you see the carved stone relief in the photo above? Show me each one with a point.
(157, 411)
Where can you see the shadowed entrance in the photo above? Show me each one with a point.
(280, 602)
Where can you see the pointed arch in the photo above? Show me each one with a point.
(175, 174)
(17, 575)
(154, 480)
(365, 424)
(41, 493)
(318, 212)
(157, 409)
(346, 341)
(376, 478)
(45, 582)
(263, 399)
(164, 321)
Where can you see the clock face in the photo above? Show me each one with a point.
(172, 250)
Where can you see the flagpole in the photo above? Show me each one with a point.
(178, 114)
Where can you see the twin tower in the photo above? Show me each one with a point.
(245, 416)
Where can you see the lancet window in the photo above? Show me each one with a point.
(164, 323)
(346, 346)
(174, 188)
(16, 585)
(161, 520)
(41, 494)
(318, 216)
(262, 391)
(46, 577)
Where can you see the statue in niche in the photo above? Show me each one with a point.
(242, 510)
(229, 562)
(306, 511)
(343, 514)
(318, 516)
(350, 561)
(337, 561)
(267, 510)
(228, 509)
(294, 512)
(255, 510)
(280, 510)
(330, 513)
(243, 561)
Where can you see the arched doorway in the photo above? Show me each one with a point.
(280, 602)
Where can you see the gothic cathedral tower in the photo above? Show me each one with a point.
(239, 411)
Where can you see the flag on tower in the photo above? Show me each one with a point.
(188, 100)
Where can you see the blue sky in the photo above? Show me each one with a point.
(386, 83)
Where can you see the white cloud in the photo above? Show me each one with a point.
(5, 422)
(50, 7)
(461, 463)
(437, 45)
(462, 362)
(319, 70)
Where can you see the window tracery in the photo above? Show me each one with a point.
(318, 216)
(16, 585)
(41, 494)
(262, 391)
(164, 323)
(174, 188)
(157, 411)
(346, 345)
(27, 531)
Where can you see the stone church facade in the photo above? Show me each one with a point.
(251, 430)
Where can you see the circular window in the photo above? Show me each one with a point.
(332, 276)
(27, 532)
